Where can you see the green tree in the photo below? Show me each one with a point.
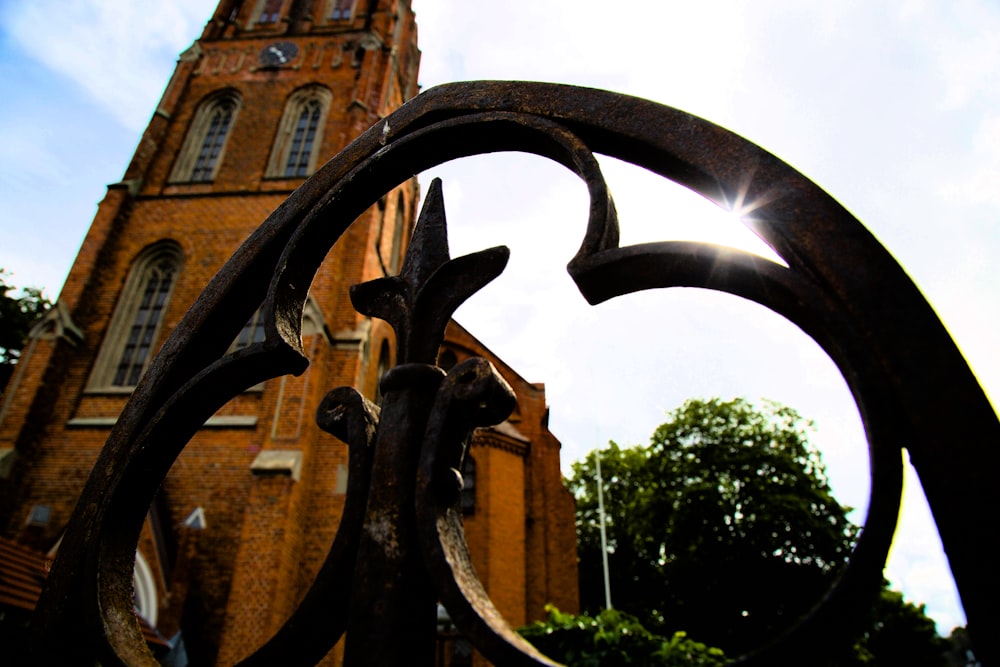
(725, 527)
(900, 633)
(614, 639)
(960, 652)
(17, 315)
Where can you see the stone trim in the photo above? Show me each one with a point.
(487, 437)
(57, 323)
(216, 421)
(278, 462)
(353, 339)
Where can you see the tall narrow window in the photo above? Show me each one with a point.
(270, 11)
(134, 330)
(397, 235)
(468, 496)
(145, 322)
(341, 10)
(300, 134)
(205, 143)
(303, 139)
(215, 138)
(252, 332)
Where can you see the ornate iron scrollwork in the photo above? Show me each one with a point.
(400, 547)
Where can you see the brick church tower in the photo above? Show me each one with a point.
(271, 90)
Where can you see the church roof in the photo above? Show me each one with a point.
(22, 574)
(509, 430)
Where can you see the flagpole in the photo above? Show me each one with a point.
(604, 533)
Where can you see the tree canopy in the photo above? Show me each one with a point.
(18, 313)
(724, 526)
(900, 633)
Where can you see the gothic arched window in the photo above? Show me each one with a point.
(341, 10)
(205, 143)
(131, 337)
(468, 496)
(251, 333)
(300, 134)
(144, 590)
(268, 11)
(303, 139)
(396, 254)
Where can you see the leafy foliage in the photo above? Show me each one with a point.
(17, 315)
(900, 633)
(725, 527)
(612, 639)
(960, 652)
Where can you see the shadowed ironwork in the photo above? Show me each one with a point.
(401, 547)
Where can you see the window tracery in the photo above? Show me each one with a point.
(341, 10)
(205, 144)
(131, 337)
(269, 11)
(300, 134)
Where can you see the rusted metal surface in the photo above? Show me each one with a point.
(401, 547)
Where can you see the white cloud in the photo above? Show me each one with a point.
(917, 565)
(120, 52)
(645, 51)
(968, 52)
(978, 178)
(35, 162)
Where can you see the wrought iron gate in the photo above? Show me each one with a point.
(400, 547)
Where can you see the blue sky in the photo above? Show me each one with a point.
(894, 108)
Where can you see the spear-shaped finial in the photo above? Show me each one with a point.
(419, 301)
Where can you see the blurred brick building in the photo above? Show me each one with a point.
(270, 90)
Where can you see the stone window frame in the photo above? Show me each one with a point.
(188, 159)
(396, 252)
(146, 601)
(102, 378)
(340, 10)
(299, 103)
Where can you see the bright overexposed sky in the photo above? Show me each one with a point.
(892, 107)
